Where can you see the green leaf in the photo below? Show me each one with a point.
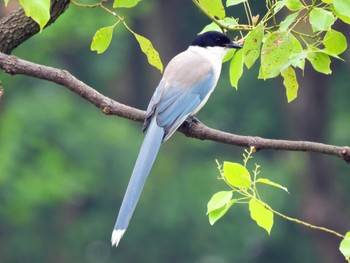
(260, 214)
(345, 246)
(234, 2)
(219, 200)
(268, 182)
(125, 3)
(214, 8)
(211, 27)
(237, 175)
(252, 45)
(335, 42)
(344, 18)
(236, 68)
(38, 10)
(294, 5)
(227, 21)
(229, 55)
(218, 213)
(342, 7)
(297, 59)
(284, 25)
(102, 39)
(290, 82)
(279, 5)
(275, 52)
(321, 19)
(6, 2)
(320, 61)
(152, 54)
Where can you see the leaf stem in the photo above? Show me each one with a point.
(304, 223)
(100, 5)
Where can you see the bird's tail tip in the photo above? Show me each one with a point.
(117, 236)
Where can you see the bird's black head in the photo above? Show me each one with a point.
(214, 39)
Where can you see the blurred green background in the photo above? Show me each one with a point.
(64, 166)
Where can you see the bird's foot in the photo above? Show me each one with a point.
(195, 120)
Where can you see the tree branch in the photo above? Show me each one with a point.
(17, 27)
(13, 65)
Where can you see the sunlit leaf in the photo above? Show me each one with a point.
(275, 53)
(252, 45)
(214, 8)
(237, 175)
(279, 5)
(345, 246)
(219, 200)
(290, 82)
(102, 39)
(267, 181)
(262, 216)
(298, 56)
(342, 7)
(236, 68)
(284, 25)
(125, 3)
(294, 5)
(6, 2)
(211, 27)
(344, 18)
(218, 213)
(152, 54)
(230, 53)
(335, 42)
(227, 21)
(38, 10)
(234, 2)
(320, 61)
(321, 19)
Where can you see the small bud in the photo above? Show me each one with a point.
(106, 110)
(255, 19)
(1, 90)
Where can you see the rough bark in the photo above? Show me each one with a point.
(17, 27)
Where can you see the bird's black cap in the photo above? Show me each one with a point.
(214, 39)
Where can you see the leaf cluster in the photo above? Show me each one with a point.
(244, 190)
(39, 11)
(280, 45)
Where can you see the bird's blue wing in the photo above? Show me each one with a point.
(177, 103)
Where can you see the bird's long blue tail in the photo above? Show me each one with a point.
(143, 165)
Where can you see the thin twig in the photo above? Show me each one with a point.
(304, 223)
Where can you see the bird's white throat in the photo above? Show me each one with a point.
(214, 53)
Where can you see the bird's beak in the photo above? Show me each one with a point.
(233, 45)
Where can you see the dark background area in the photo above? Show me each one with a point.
(64, 166)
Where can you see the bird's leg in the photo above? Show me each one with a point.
(192, 120)
(195, 120)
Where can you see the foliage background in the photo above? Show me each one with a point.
(64, 166)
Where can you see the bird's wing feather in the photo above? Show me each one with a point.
(187, 82)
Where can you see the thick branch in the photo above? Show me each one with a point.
(13, 65)
(17, 28)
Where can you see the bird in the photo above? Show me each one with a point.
(188, 80)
